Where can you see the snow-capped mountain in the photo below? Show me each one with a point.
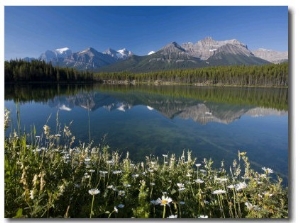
(118, 54)
(63, 52)
(207, 47)
(205, 52)
(271, 55)
(124, 53)
(55, 55)
(88, 59)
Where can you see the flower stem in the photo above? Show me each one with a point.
(91, 213)
(164, 212)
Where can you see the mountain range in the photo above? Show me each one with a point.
(205, 52)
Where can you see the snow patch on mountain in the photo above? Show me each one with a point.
(151, 52)
(118, 54)
(62, 50)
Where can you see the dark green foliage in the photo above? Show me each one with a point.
(269, 75)
(40, 71)
(238, 75)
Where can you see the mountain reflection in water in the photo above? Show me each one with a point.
(211, 122)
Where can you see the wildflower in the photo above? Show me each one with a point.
(121, 193)
(202, 170)
(109, 162)
(152, 184)
(116, 209)
(263, 175)
(103, 172)
(32, 193)
(117, 171)
(219, 192)
(94, 191)
(165, 200)
(267, 170)
(37, 150)
(240, 186)
(94, 150)
(91, 171)
(267, 194)
(110, 186)
(198, 164)
(231, 186)
(61, 189)
(87, 160)
(203, 216)
(35, 180)
(221, 179)
(46, 129)
(165, 155)
(57, 135)
(199, 181)
(251, 206)
(188, 175)
(180, 185)
(86, 176)
(135, 175)
(172, 216)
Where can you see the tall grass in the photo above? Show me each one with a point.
(50, 177)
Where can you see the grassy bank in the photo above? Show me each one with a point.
(50, 177)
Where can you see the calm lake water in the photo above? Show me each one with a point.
(212, 122)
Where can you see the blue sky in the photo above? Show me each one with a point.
(31, 30)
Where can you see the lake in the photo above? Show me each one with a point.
(212, 122)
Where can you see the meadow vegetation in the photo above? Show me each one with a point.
(47, 176)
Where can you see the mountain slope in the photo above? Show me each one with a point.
(271, 55)
(172, 56)
(88, 59)
(230, 54)
(207, 52)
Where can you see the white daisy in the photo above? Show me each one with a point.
(94, 191)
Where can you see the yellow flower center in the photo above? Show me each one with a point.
(164, 202)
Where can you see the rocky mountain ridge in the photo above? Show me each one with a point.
(205, 52)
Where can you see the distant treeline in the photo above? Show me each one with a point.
(270, 75)
(237, 75)
(40, 71)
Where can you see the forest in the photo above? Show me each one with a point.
(40, 71)
(270, 75)
(239, 75)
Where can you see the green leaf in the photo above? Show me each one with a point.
(19, 213)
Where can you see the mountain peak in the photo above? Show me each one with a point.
(173, 46)
(89, 49)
